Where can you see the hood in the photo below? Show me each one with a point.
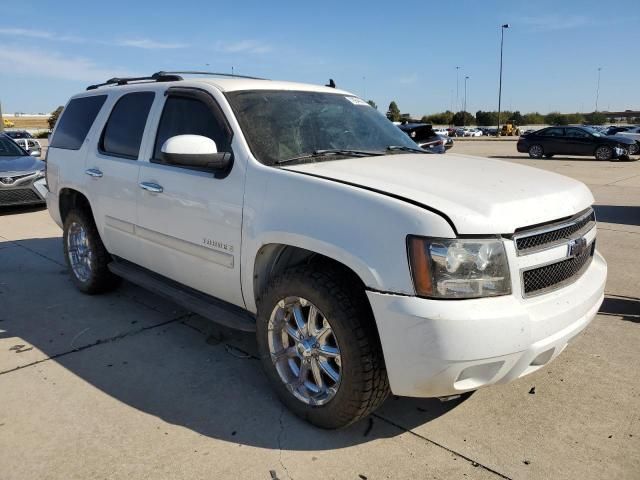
(21, 164)
(479, 195)
(621, 139)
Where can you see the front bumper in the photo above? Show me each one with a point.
(30, 190)
(435, 348)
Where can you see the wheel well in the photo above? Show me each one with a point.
(275, 258)
(71, 200)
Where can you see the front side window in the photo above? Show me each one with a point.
(76, 121)
(122, 134)
(283, 125)
(553, 132)
(576, 133)
(183, 115)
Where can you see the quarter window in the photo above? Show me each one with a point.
(185, 115)
(122, 134)
(76, 121)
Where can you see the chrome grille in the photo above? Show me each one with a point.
(548, 236)
(543, 279)
(18, 196)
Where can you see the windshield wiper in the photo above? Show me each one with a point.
(402, 148)
(332, 151)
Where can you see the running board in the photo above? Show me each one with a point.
(207, 306)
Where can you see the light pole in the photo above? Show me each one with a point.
(464, 109)
(506, 25)
(598, 88)
(457, 89)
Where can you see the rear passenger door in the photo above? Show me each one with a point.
(112, 168)
(191, 225)
(553, 141)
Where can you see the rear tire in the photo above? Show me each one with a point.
(536, 151)
(604, 153)
(85, 254)
(353, 383)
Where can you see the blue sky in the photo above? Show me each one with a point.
(404, 51)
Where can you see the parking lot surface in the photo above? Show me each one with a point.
(128, 385)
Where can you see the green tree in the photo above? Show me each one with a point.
(53, 118)
(517, 117)
(595, 118)
(463, 118)
(441, 118)
(532, 118)
(372, 103)
(556, 118)
(575, 118)
(393, 113)
(486, 119)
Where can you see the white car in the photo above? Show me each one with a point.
(472, 132)
(631, 133)
(442, 131)
(364, 264)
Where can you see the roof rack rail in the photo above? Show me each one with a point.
(195, 72)
(156, 77)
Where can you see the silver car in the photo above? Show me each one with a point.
(22, 176)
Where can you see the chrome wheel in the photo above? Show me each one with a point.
(304, 351)
(79, 252)
(535, 151)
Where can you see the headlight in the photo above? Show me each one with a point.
(40, 173)
(458, 268)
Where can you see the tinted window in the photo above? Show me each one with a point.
(76, 121)
(182, 116)
(577, 133)
(553, 132)
(122, 134)
(8, 148)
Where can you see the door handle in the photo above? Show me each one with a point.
(93, 172)
(151, 187)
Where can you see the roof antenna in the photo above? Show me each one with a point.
(331, 84)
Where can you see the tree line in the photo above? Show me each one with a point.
(490, 118)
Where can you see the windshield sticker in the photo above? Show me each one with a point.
(357, 101)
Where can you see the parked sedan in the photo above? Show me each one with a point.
(22, 179)
(575, 141)
(424, 135)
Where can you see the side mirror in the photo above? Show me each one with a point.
(194, 151)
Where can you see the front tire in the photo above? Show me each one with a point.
(604, 152)
(85, 254)
(536, 151)
(319, 348)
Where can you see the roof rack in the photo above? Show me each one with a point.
(217, 74)
(156, 77)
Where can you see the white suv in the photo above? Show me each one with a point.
(364, 264)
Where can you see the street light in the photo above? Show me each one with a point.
(598, 88)
(502, 28)
(464, 110)
(457, 89)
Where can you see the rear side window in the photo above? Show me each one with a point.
(76, 122)
(122, 134)
(183, 115)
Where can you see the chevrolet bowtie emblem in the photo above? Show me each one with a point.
(577, 247)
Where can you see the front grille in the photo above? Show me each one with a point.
(10, 180)
(553, 235)
(18, 196)
(551, 277)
